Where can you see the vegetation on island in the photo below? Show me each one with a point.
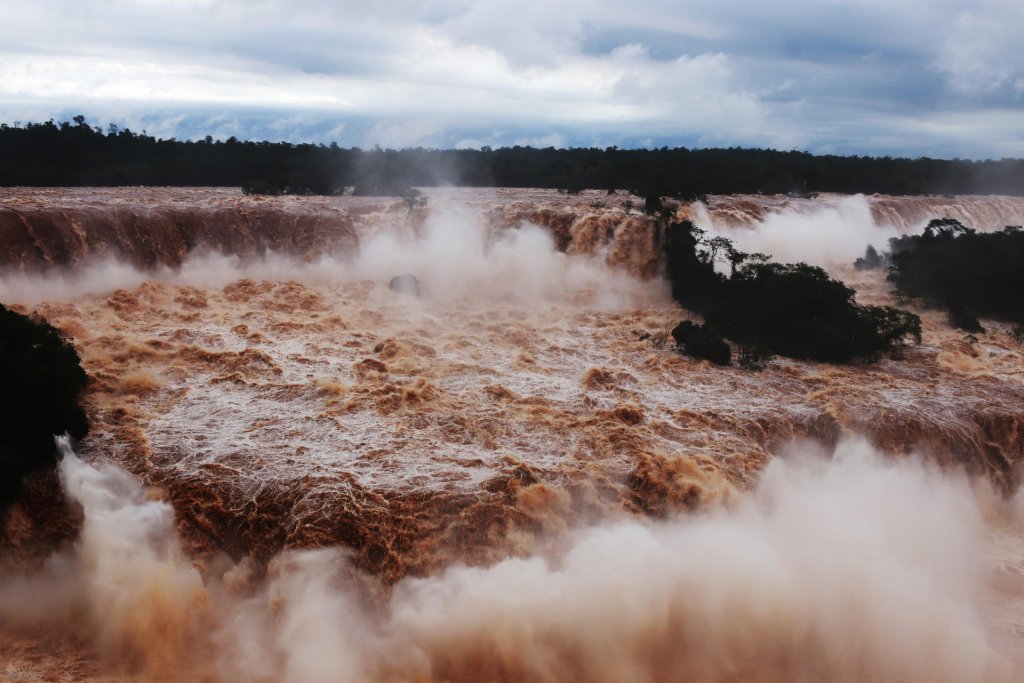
(967, 273)
(75, 153)
(767, 309)
(39, 398)
(701, 341)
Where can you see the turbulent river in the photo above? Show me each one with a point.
(298, 473)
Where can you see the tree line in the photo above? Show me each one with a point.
(75, 153)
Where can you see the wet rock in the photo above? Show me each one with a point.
(405, 284)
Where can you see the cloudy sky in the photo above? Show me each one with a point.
(901, 77)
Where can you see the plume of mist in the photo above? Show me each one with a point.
(126, 582)
(454, 255)
(847, 568)
(850, 569)
(302, 626)
(30, 287)
(143, 598)
(457, 258)
(821, 234)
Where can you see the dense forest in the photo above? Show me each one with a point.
(77, 154)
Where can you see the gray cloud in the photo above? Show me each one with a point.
(943, 78)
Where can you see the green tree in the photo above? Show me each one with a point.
(414, 199)
(701, 341)
(767, 308)
(39, 398)
(970, 274)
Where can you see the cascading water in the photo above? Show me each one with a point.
(323, 454)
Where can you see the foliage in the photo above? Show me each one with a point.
(414, 199)
(871, 260)
(753, 357)
(701, 341)
(962, 320)
(75, 153)
(653, 204)
(262, 187)
(970, 274)
(767, 308)
(383, 188)
(42, 382)
(894, 325)
(796, 311)
(691, 272)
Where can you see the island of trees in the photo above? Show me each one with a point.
(967, 273)
(767, 309)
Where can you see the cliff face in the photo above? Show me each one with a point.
(304, 404)
(147, 238)
(904, 214)
(148, 229)
(152, 227)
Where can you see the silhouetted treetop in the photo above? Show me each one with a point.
(75, 153)
(968, 273)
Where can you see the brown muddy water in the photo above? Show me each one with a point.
(296, 473)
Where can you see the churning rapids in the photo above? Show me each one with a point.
(297, 473)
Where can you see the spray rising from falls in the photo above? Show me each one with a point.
(847, 568)
(456, 252)
(55, 242)
(824, 234)
(126, 580)
(484, 481)
(285, 402)
(834, 229)
(140, 593)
